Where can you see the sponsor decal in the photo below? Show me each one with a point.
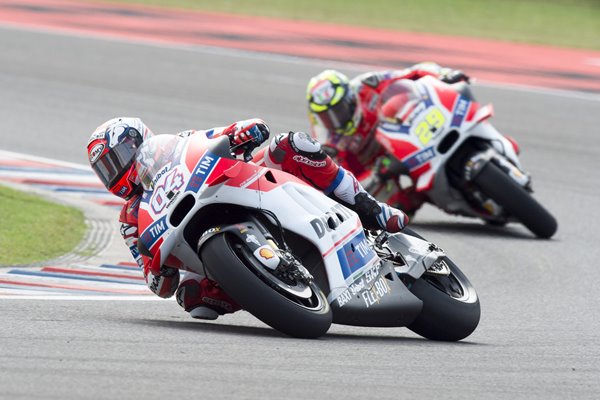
(344, 298)
(122, 191)
(250, 238)
(211, 230)
(355, 254)
(202, 171)
(460, 111)
(372, 273)
(308, 161)
(218, 303)
(96, 152)
(370, 287)
(266, 253)
(153, 232)
(159, 175)
(267, 257)
(419, 158)
(379, 289)
(321, 226)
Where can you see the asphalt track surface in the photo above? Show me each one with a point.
(538, 336)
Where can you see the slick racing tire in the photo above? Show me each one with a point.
(517, 201)
(256, 290)
(451, 309)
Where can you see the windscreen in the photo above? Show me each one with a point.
(154, 155)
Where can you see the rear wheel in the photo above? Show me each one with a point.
(293, 308)
(516, 200)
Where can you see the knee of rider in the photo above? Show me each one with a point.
(187, 276)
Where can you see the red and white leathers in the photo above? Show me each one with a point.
(299, 154)
(359, 152)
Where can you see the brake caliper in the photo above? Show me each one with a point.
(290, 270)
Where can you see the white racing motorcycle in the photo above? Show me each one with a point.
(294, 258)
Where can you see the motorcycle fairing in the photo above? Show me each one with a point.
(444, 110)
(211, 178)
(376, 298)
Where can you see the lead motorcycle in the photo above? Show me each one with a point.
(443, 140)
(294, 258)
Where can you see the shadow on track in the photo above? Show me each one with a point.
(419, 341)
(240, 330)
(474, 228)
(212, 327)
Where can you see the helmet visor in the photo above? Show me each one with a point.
(339, 118)
(111, 167)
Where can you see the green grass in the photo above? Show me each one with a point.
(33, 229)
(566, 23)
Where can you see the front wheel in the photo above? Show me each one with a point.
(451, 309)
(516, 200)
(295, 309)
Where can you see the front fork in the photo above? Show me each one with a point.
(263, 246)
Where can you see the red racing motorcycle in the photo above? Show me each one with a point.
(442, 138)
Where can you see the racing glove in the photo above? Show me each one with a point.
(252, 130)
(388, 218)
(453, 76)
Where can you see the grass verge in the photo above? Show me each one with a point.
(33, 229)
(567, 23)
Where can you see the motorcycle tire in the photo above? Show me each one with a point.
(517, 201)
(232, 265)
(451, 309)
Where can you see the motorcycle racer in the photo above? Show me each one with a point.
(112, 152)
(346, 112)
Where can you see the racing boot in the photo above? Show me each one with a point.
(373, 214)
(203, 298)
